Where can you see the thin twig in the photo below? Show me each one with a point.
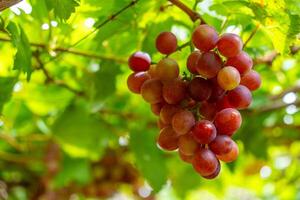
(251, 35)
(74, 51)
(191, 13)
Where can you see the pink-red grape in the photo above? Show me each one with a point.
(231, 156)
(222, 144)
(183, 121)
(167, 112)
(199, 89)
(167, 69)
(209, 64)
(230, 45)
(136, 80)
(166, 43)
(204, 132)
(251, 80)
(174, 91)
(229, 78)
(187, 145)
(151, 91)
(240, 97)
(167, 139)
(228, 121)
(208, 110)
(205, 162)
(192, 61)
(242, 62)
(139, 61)
(205, 37)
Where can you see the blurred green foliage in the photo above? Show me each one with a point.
(69, 126)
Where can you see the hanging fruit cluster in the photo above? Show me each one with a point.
(198, 114)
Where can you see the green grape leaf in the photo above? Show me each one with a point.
(102, 83)
(81, 133)
(6, 89)
(149, 159)
(73, 170)
(22, 59)
(62, 8)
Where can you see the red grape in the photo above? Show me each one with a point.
(228, 121)
(152, 71)
(215, 174)
(183, 121)
(209, 64)
(204, 132)
(230, 45)
(160, 124)
(208, 110)
(136, 80)
(199, 89)
(167, 69)
(229, 78)
(251, 80)
(156, 107)
(232, 155)
(167, 139)
(192, 61)
(223, 103)
(174, 91)
(222, 144)
(242, 62)
(240, 97)
(152, 91)
(205, 37)
(167, 112)
(185, 158)
(187, 145)
(205, 162)
(166, 43)
(139, 61)
(217, 91)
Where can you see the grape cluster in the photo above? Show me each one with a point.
(198, 114)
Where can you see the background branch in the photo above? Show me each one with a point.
(4, 4)
(192, 14)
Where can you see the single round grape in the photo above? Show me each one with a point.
(222, 144)
(167, 139)
(199, 89)
(223, 103)
(205, 162)
(192, 61)
(230, 45)
(139, 61)
(228, 121)
(217, 91)
(204, 132)
(216, 173)
(205, 38)
(242, 62)
(156, 107)
(187, 145)
(167, 112)
(167, 69)
(151, 91)
(185, 158)
(183, 121)
(251, 80)
(209, 64)
(174, 91)
(166, 43)
(152, 71)
(136, 80)
(229, 78)
(231, 156)
(240, 97)
(208, 110)
(160, 124)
